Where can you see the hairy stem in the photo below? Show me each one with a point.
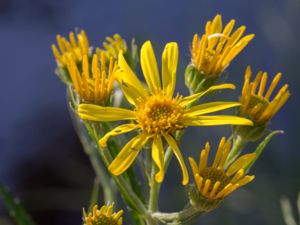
(178, 217)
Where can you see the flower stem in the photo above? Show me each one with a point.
(154, 190)
(155, 186)
(89, 148)
(238, 144)
(178, 217)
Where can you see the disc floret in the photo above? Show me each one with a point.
(160, 114)
(257, 105)
(215, 182)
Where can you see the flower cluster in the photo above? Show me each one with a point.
(108, 99)
(216, 181)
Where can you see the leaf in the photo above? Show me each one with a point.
(287, 211)
(262, 146)
(16, 211)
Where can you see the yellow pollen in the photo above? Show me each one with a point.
(160, 114)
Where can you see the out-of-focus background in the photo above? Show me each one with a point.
(41, 159)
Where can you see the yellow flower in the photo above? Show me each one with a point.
(72, 49)
(213, 53)
(216, 182)
(255, 100)
(104, 216)
(112, 46)
(95, 83)
(157, 113)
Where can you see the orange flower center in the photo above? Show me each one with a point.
(160, 114)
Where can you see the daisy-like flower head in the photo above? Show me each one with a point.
(94, 84)
(157, 114)
(256, 103)
(255, 100)
(73, 49)
(215, 182)
(112, 46)
(213, 52)
(104, 216)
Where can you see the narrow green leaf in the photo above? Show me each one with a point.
(287, 211)
(262, 146)
(16, 211)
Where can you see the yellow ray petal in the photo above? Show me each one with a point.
(219, 152)
(132, 94)
(192, 98)
(127, 155)
(100, 113)
(273, 85)
(262, 84)
(125, 128)
(214, 190)
(228, 28)
(209, 108)
(194, 166)
(240, 163)
(206, 186)
(224, 190)
(178, 155)
(129, 77)
(216, 120)
(149, 67)
(204, 157)
(158, 158)
(245, 180)
(224, 156)
(169, 67)
(198, 181)
(237, 176)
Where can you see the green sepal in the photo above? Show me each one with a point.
(201, 203)
(261, 147)
(250, 133)
(197, 81)
(16, 211)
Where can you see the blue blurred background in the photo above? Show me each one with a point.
(41, 158)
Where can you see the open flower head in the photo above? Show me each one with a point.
(94, 84)
(214, 182)
(112, 46)
(213, 52)
(104, 216)
(157, 113)
(256, 102)
(73, 49)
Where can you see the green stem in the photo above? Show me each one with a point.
(124, 187)
(154, 190)
(178, 217)
(95, 194)
(238, 144)
(155, 186)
